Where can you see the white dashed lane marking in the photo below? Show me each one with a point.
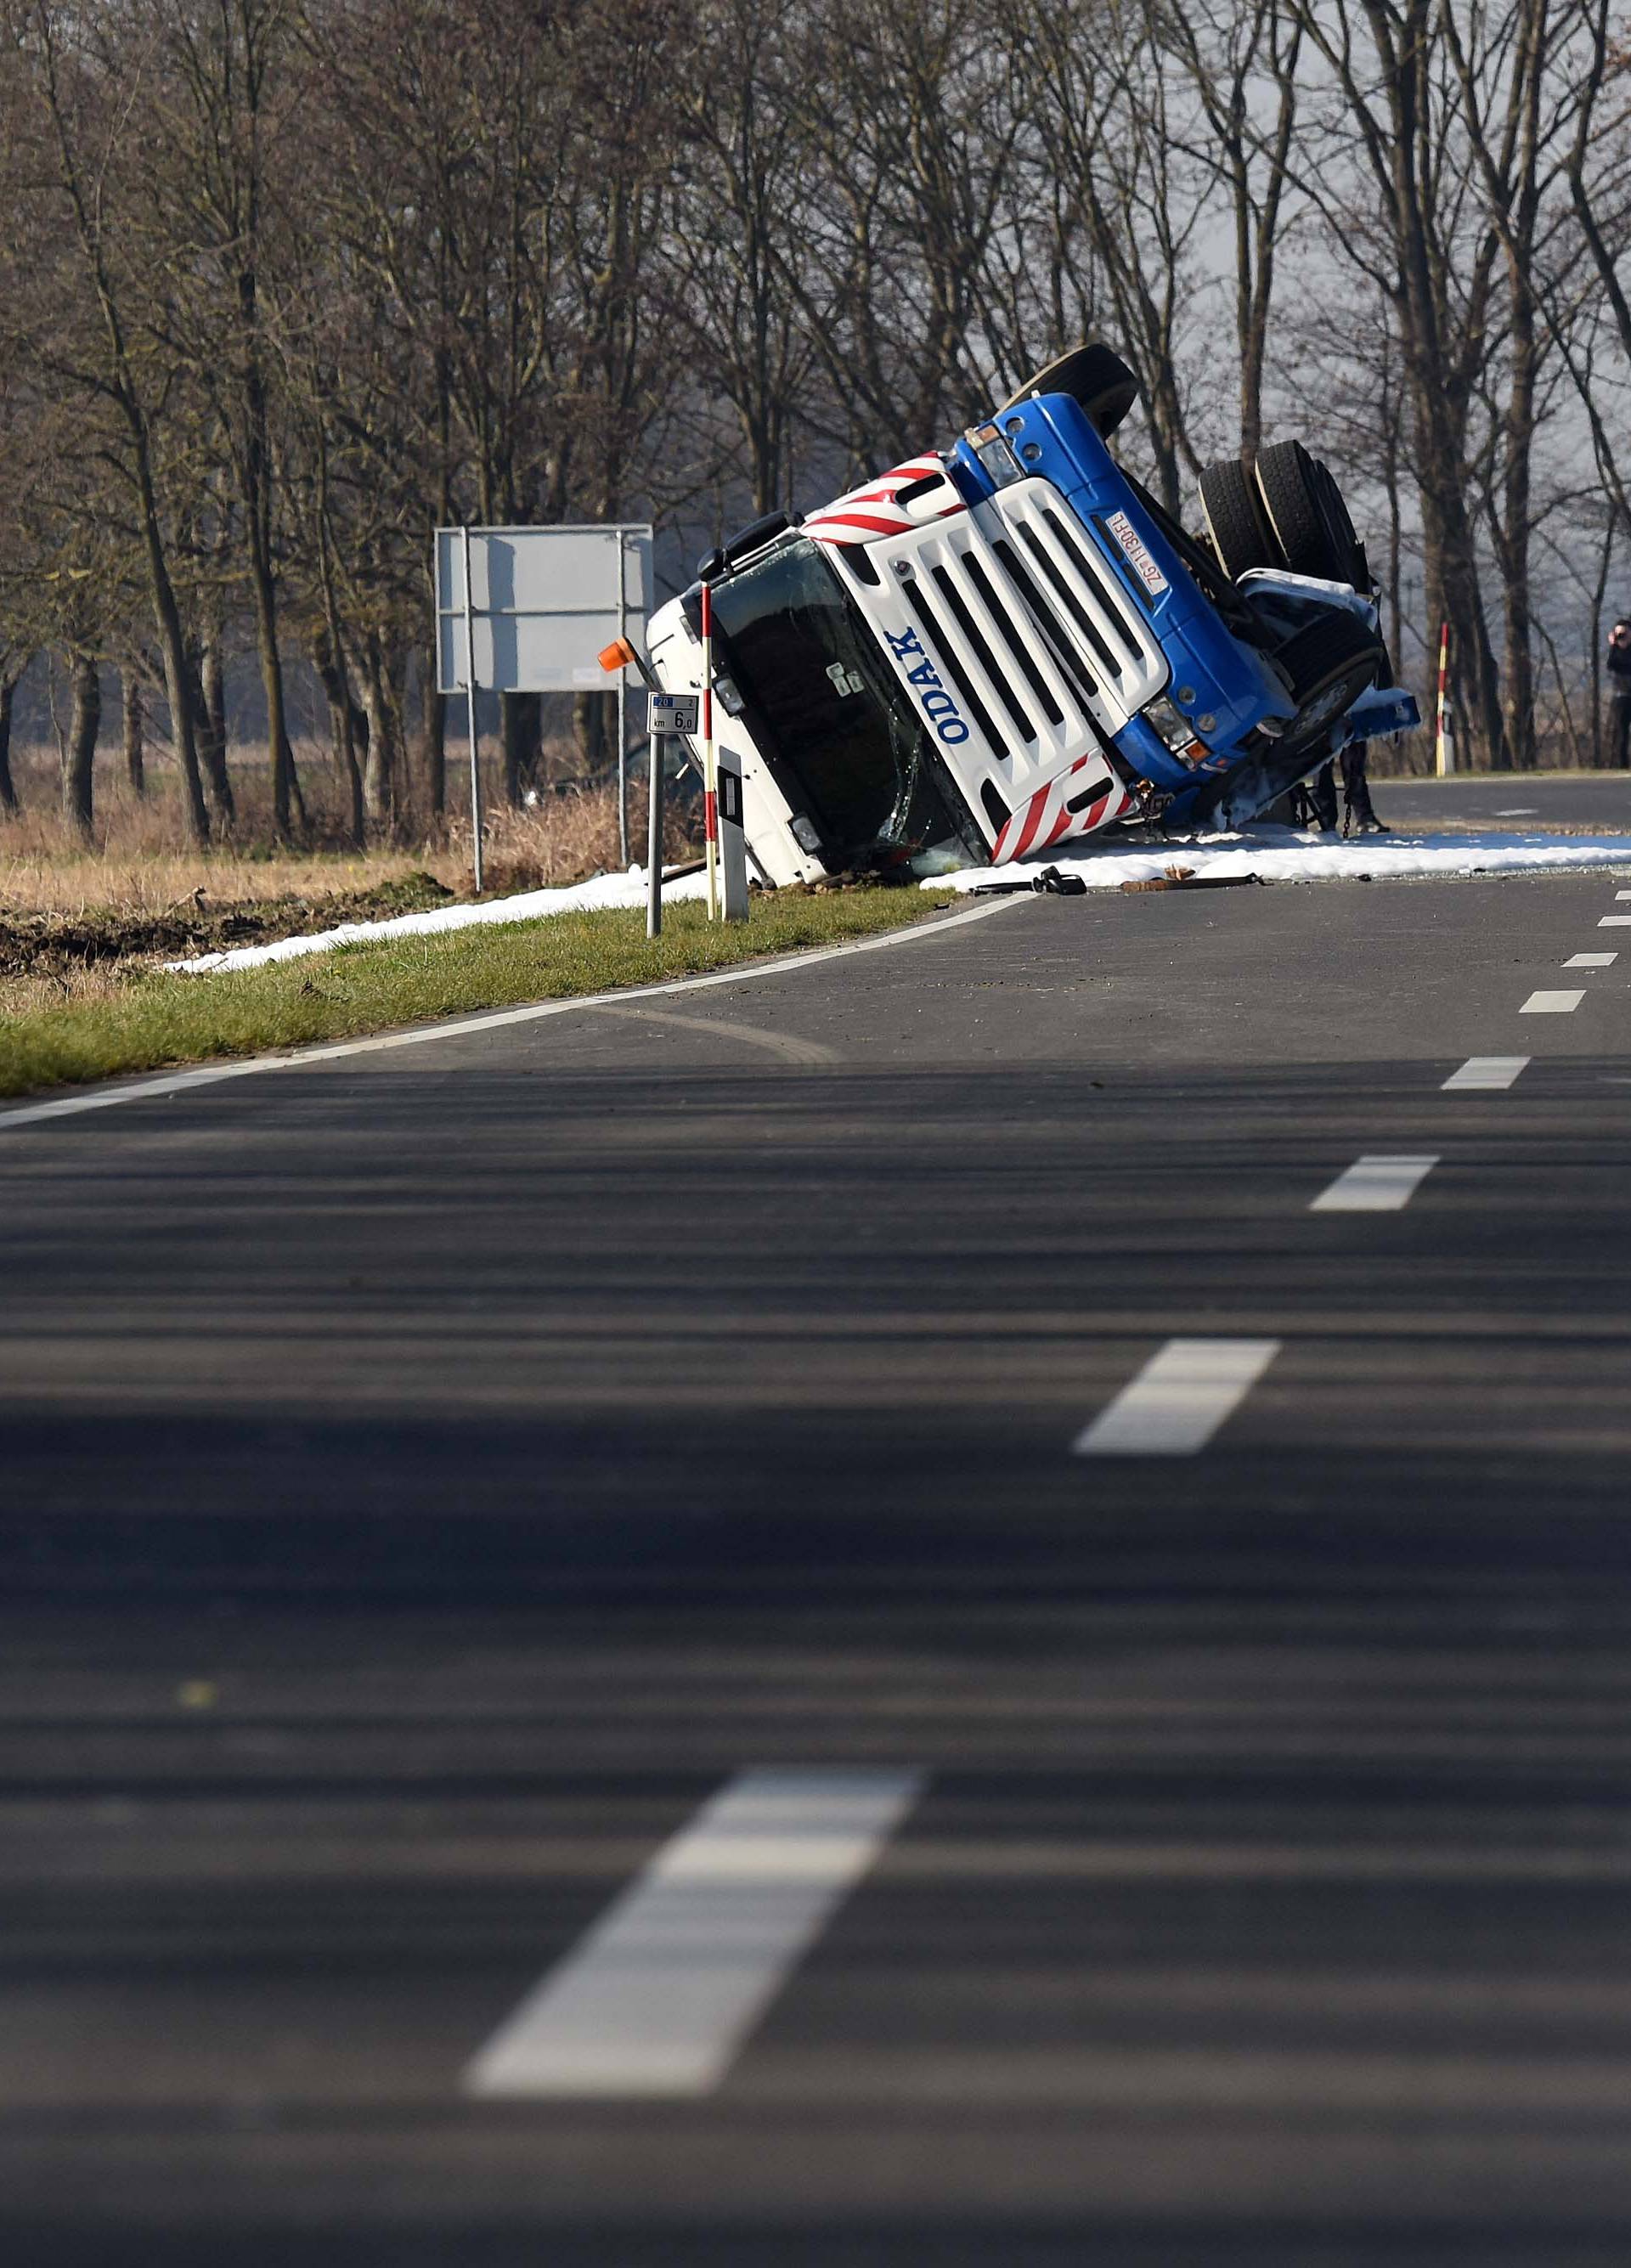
(1179, 1400)
(1615, 921)
(1551, 1004)
(1374, 1184)
(660, 1996)
(1487, 1070)
(1591, 961)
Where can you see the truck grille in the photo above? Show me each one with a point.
(1028, 625)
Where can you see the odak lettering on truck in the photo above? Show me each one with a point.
(938, 705)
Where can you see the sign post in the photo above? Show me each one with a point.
(710, 761)
(470, 688)
(665, 713)
(528, 609)
(623, 712)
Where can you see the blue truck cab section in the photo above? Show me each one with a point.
(1213, 675)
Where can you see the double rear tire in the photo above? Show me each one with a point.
(1286, 513)
(1239, 527)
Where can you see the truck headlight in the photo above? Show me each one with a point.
(1177, 730)
(994, 453)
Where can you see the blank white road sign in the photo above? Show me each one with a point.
(545, 604)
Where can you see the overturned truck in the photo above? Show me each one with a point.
(996, 648)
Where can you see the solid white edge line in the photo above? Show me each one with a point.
(1488, 1071)
(1177, 1402)
(1551, 1004)
(104, 1098)
(1375, 1183)
(660, 1996)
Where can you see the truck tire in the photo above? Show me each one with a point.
(1290, 482)
(1328, 664)
(1338, 519)
(1233, 511)
(1093, 375)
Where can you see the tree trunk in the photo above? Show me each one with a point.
(1599, 593)
(520, 728)
(347, 725)
(380, 782)
(212, 732)
(590, 727)
(348, 728)
(133, 718)
(79, 758)
(8, 793)
(434, 744)
(286, 798)
(1455, 593)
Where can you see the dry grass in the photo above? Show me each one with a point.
(140, 862)
(82, 987)
(79, 921)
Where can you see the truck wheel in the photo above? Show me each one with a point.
(1240, 534)
(1329, 663)
(1092, 374)
(1288, 481)
(1339, 521)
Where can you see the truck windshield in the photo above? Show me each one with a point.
(825, 711)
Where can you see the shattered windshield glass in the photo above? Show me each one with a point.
(825, 710)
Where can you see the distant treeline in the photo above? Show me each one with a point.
(283, 283)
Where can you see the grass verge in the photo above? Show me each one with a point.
(153, 1020)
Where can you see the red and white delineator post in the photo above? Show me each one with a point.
(1444, 733)
(710, 760)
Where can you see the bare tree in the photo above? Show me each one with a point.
(1434, 254)
(84, 103)
(1241, 59)
(12, 667)
(1099, 106)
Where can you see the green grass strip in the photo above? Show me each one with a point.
(153, 1020)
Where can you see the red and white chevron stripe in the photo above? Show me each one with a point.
(1044, 822)
(864, 512)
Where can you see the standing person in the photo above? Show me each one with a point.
(1358, 814)
(1619, 692)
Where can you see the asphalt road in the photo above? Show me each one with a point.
(1521, 801)
(432, 1476)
